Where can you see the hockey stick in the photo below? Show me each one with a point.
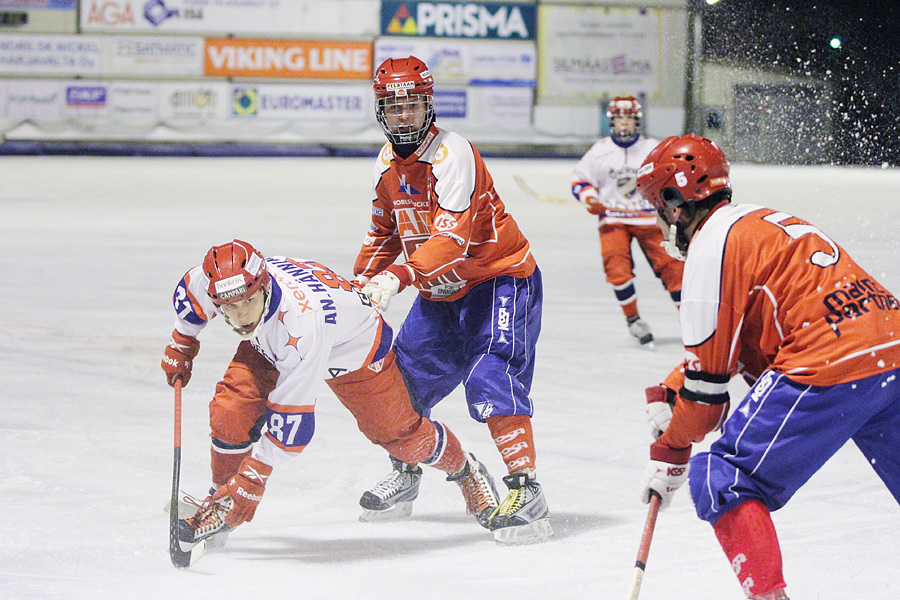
(641, 562)
(181, 558)
(551, 199)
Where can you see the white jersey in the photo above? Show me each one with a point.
(612, 171)
(317, 326)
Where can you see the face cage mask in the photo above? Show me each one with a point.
(262, 317)
(411, 133)
(624, 137)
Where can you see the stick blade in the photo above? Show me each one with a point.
(181, 558)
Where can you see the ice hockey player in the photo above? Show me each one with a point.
(477, 315)
(776, 300)
(301, 323)
(604, 180)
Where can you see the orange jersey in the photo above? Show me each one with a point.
(765, 290)
(439, 208)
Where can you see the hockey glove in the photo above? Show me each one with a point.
(359, 282)
(592, 202)
(382, 288)
(245, 490)
(178, 358)
(660, 401)
(666, 472)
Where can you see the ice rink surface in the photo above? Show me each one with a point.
(91, 251)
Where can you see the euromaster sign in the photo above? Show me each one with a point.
(287, 59)
(474, 20)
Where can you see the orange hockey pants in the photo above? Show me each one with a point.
(378, 400)
(615, 248)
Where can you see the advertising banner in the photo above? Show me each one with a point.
(474, 20)
(587, 53)
(38, 4)
(133, 101)
(193, 101)
(35, 100)
(467, 62)
(229, 57)
(100, 55)
(162, 56)
(50, 55)
(480, 107)
(338, 103)
(351, 18)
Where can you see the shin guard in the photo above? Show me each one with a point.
(747, 536)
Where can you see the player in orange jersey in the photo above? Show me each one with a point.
(604, 180)
(775, 299)
(477, 317)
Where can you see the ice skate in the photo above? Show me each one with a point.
(523, 517)
(392, 497)
(478, 489)
(207, 523)
(640, 331)
(779, 594)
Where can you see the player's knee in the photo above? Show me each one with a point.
(717, 486)
(492, 388)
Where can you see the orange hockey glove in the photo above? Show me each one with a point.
(178, 358)
(592, 202)
(245, 490)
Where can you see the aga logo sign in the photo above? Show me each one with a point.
(476, 20)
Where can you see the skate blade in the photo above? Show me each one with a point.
(649, 346)
(535, 532)
(217, 540)
(401, 510)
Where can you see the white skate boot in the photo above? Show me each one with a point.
(208, 523)
(640, 330)
(392, 497)
(523, 517)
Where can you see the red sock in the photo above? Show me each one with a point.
(748, 538)
(225, 465)
(514, 439)
(452, 459)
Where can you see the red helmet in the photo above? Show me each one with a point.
(683, 169)
(404, 100)
(235, 271)
(402, 77)
(624, 106)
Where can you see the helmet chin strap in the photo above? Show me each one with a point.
(262, 317)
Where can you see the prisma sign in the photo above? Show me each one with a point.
(476, 20)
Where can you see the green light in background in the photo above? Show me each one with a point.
(835, 43)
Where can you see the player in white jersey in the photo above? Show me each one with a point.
(604, 179)
(301, 323)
